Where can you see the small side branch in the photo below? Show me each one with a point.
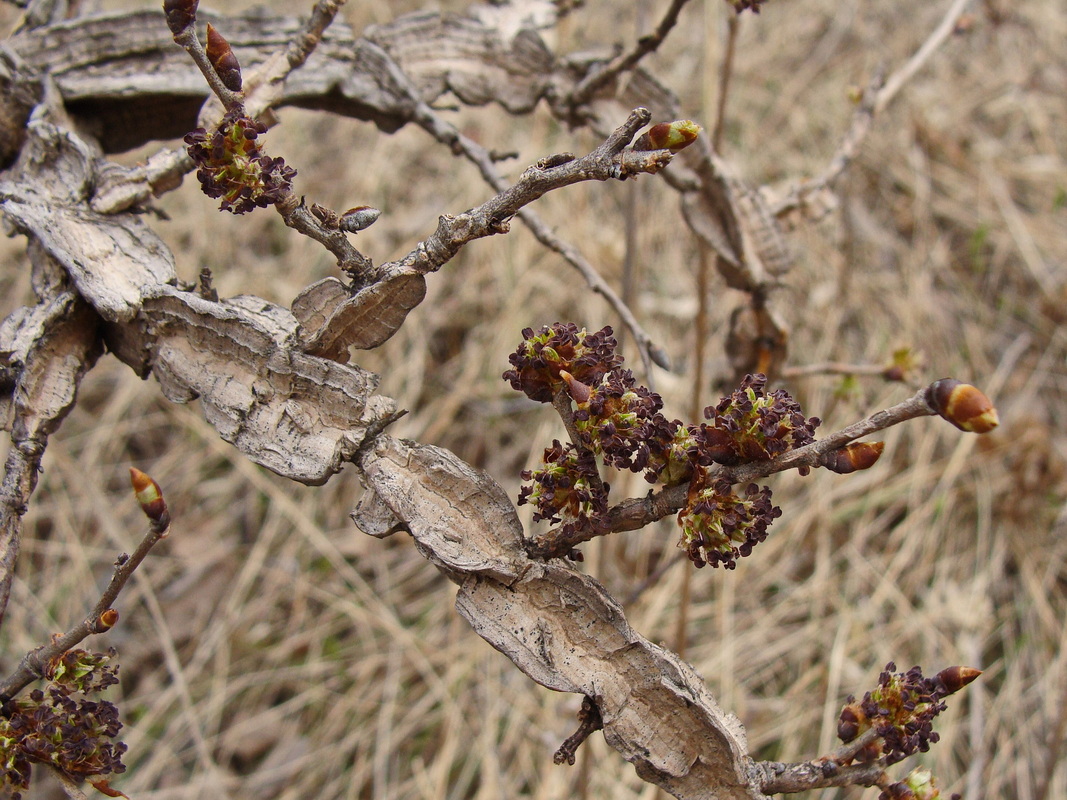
(876, 99)
(782, 778)
(625, 62)
(100, 619)
(589, 722)
(622, 136)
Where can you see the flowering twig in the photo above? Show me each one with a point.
(635, 513)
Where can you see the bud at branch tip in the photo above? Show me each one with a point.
(181, 14)
(673, 136)
(963, 405)
(150, 498)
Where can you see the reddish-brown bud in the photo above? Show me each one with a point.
(107, 619)
(150, 497)
(955, 678)
(101, 785)
(853, 457)
(578, 391)
(673, 136)
(180, 14)
(963, 405)
(223, 60)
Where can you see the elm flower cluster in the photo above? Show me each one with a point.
(567, 484)
(718, 526)
(751, 425)
(901, 709)
(621, 421)
(231, 164)
(918, 785)
(75, 736)
(614, 419)
(586, 357)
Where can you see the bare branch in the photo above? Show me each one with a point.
(625, 62)
(446, 134)
(348, 315)
(789, 778)
(875, 100)
(48, 349)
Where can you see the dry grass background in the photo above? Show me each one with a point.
(269, 650)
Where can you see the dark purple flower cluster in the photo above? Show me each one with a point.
(621, 422)
(562, 346)
(901, 709)
(232, 165)
(50, 727)
(919, 785)
(718, 526)
(751, 425)
(567, 486)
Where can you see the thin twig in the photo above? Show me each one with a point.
(624, 62)
(445, 133)
(877, 98)
(34, 663)
(832, 368)
(782, 778)
(726, 71)
(589, 722)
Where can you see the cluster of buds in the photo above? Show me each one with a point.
(49, 726)
(231, 164)
(919, 785)
(566, 485)
(752, 425)
(718, 526)
(901, 711)
(613, 419)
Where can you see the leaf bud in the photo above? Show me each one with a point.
(150, 498)
(107, 619)
(221, 56)
(579, 392)
(673, 136)
(359, 218)
(955, 678)
(963, 405)
(180, 14)
(853, 457)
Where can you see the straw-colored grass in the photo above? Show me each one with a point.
(270, 650)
